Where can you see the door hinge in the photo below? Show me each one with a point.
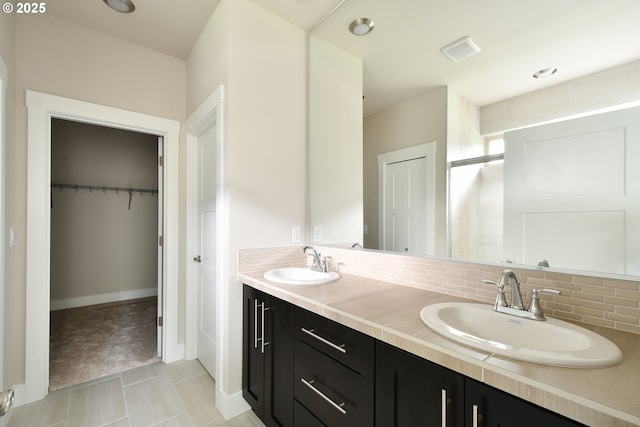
(160, 321)
(160, 241)
(161, 161)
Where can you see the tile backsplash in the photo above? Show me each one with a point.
(612, 303)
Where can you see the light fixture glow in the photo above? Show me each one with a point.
(124, 6)
(361, 26)
(544, 73)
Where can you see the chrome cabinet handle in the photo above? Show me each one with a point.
(262, 340)
(444, 408)
(338, 406)
(477, 416)
(340, 347)
(255, 323)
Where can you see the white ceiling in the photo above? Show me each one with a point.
(402, 55)
(171, 26)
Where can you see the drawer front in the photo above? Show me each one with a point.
(352, 348)
(302, 417)
(336, 395)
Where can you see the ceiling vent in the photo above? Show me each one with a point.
(460, 49)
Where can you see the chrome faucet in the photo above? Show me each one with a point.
(319, 264)
(516, 308)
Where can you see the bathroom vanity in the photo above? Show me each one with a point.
(354, 352)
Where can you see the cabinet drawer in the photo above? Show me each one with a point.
(336, 395)
(352, 348)
(302, 417)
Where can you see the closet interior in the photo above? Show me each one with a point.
(105, 202)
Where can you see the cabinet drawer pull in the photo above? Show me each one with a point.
(339, 347)
(338, 406)
(445, 402)
(477, 416)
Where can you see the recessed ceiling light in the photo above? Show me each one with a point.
(544, 73)
(361, 26)
(124, 6)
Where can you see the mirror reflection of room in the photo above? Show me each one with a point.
(510, 81)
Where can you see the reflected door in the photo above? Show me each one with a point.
(572, 193)
(406, 207)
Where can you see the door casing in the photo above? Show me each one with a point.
(41, 108)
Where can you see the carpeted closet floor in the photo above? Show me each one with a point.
(91, 342)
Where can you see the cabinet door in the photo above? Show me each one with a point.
(267, 366)
(411, 391)
(253, 367)
(489, 407)
(278, 402)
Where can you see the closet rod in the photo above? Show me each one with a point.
(103, 188)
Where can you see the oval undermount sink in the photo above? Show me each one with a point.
(549, 342)
(301, 276)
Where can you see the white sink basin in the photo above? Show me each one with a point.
(300, 276)
(550, 342)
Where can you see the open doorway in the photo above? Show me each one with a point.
(42, 108)
(105, 199)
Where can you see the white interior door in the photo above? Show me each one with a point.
(406, 206)
(3, 84)
(572, 193)
(206, 340)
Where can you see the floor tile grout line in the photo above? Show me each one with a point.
(124, 398)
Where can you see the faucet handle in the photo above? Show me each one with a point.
(325, 266)
(534, 307)
(501, 299)
(535, 292)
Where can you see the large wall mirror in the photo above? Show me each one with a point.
(458, 77)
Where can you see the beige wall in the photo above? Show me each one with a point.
(102, 248)
(261, 60)
(415, 121)
(61, 58)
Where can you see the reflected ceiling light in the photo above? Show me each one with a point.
(361, 26)
(124, 6)
(544, 73)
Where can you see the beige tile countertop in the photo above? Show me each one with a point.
(595, 396)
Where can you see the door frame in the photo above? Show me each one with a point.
(41, 109)
(427, 151)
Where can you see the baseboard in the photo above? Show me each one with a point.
(62, 304)
(231, 405)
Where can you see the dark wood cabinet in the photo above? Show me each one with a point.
(334, 372)
(486, 406)
(267, 377)
(411, 391)
(304, 370)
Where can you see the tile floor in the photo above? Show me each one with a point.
(174, 395)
